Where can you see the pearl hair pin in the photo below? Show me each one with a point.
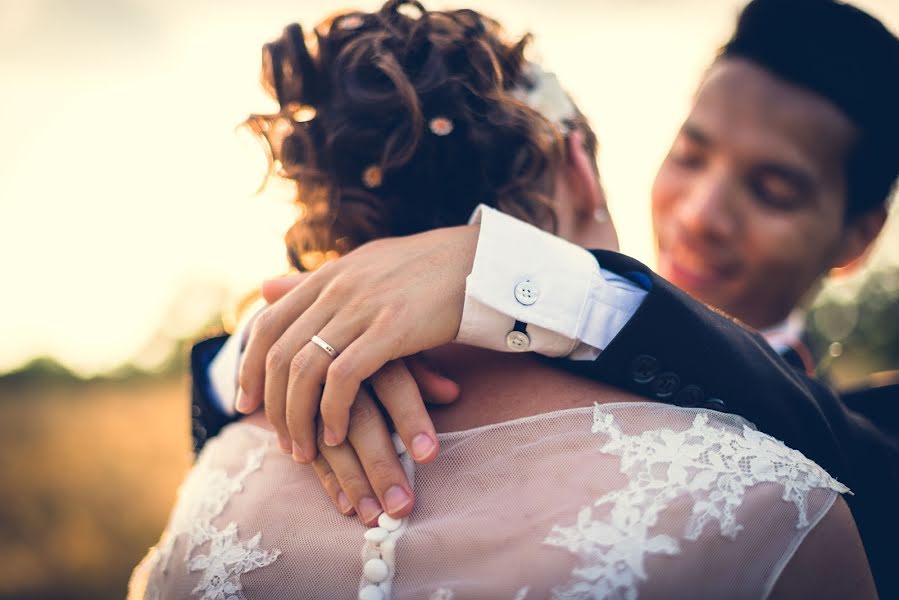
(440, 126)
(372, 177)
(350, 22)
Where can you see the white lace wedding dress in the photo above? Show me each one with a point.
(621, 500)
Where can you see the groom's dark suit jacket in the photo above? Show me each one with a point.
(676, 350)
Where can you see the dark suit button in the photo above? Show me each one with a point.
(665, 385)
(195, 410)
(644, 368)
(198, 429)
(690, 396)
(715, 404)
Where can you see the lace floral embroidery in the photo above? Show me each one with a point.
(713, 467)
(202, 498)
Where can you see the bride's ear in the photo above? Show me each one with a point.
(590, 224)
(582, 176)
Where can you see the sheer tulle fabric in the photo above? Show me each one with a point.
(618, 501)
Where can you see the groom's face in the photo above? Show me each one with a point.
(748, 206)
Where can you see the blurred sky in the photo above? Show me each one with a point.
(126, 198)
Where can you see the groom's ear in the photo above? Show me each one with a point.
(858, 239)
(582, 175)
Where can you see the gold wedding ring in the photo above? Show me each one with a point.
(324, 346)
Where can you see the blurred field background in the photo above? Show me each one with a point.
(88, 471)
(128, 228)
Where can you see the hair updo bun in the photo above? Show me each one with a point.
(393, 123)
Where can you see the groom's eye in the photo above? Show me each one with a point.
(780, 188)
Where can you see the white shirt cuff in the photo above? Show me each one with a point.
(571, 306)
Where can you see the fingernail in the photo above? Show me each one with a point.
(330, 437)
(344, 503)
(303, 456)
(422, 446)
(297, 453)
(243, 403)
(396, 499)
(369, 509)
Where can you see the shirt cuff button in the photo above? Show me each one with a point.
(527, 292)
(518, 341)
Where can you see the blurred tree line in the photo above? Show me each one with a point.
(199, 310)
(48, 370)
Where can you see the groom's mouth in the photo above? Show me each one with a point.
(690, 271)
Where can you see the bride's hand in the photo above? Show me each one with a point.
(364, 474)
(385, 300)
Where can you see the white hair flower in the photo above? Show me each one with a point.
(546, 96)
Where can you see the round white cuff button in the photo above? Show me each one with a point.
(527, 292)
(518, 341)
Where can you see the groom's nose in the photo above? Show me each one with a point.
(707, 211)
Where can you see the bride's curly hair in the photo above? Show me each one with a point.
(355, 127)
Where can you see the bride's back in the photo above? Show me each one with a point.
(497, 387)
(546, 486)
(612, 501)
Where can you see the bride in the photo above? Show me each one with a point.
(557, 487)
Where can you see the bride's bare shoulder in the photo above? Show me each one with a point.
(830, 562)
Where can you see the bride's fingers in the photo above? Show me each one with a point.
(435, 387)
(398, 393)
(329, 481)
(266, 330)
(352, 479)
(370, 439)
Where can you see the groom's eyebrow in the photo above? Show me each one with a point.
(695, 134)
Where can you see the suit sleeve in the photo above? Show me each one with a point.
(207, 416)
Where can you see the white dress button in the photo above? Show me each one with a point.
(518, 341)
(376, 535)
(527, 292)
(388, 522)
(376, 570)
(371, 592)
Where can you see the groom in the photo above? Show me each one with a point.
(781, 172)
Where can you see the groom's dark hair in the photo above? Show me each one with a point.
(846, 56)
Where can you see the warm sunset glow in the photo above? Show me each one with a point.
(125, 190)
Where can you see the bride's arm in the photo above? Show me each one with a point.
(830, 562)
